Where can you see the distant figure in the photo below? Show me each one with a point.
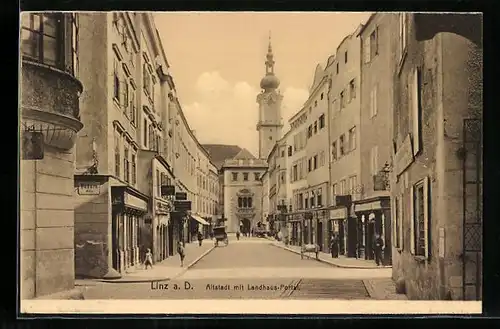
(334, 245)
(200, 238)
(378, 246)
(180, 250)
(237, 235)
(148, 259)
(252, 232)
(279, 236)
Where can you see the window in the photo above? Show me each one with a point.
(373, 101)
(342, 100)
(415, 108)
(321, 121)
(309, 166)
(345, 57)
(374, 160)
(151, 137)
(283, 153)
(321, 96)
(352, 184)
(245, 176)
(309, 131)
(256, 175)
(319, 197)
(342, 187)
(158, 182)
(249, 202)
(235, 176)
(117, 155)
(403, 31)
(312, 199)
(315, 103)
(134, 172)
(342, 144)
(420, 218)
(374, 43)
(41, 38)
(125, 101)
(315, 127)
(145, 133)
(301, 201)
(315, 162)
(337, 68)
(352, 90)
(334, 190)
(294, 172)
(132, 107)
(290, 151)
(126, 170)
(321, 158)
(240, 202)
(146, 79)
(334, 151)
(398, 220)
(352, 139)
(116, 80)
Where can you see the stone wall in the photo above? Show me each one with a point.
(93, 233)
(46, 223)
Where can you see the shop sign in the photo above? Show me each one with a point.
(89, 188)
(181, 196)
(404, 156)
(167, 190)
(163, 207)
(117, 199)
(343, 200)
(182, 205)
(133, 201)
(340, 213)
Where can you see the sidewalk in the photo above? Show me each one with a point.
(164, 270)
(341, 261)
(383, 288)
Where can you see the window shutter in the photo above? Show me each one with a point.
(400, 219)
(367, 50)
(426, 216)
(412, 221)
(415, 103)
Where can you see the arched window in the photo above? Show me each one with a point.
(249, 202)
(240, 202)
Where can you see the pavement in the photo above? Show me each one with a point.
(251, 268)
(164, 270)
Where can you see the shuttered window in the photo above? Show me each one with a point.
(419, 211)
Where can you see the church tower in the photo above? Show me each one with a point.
(270, 122)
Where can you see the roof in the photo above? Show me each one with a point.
(219, 153)
(244, 154)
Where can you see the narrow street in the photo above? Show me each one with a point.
(248, 268)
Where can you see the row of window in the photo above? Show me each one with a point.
(309, 199)
(244, 202)
(345, 186)
(298, 170)
(245, 176)
(205, 183)
(313, 128)
(343, 146)
(206, 206)
(419, 220)
(347, 95)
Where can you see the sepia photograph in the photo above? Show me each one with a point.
(250, 163)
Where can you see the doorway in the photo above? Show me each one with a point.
(115, 256)
(246, 226)
(319, 235)
(170, 231)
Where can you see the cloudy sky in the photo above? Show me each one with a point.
(217, 61)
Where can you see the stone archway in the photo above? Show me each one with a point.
(245, 225)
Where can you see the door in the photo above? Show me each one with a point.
(341, 237)
(352, 236)
(115, 256)
(472, 210)
(370, 233)
(170, 231)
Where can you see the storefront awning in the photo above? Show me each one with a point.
(199, 220)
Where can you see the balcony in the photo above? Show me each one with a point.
(50, 103)
(245, 211)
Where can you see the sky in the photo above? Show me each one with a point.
(217, 62)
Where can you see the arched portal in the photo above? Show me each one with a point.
(245, 225)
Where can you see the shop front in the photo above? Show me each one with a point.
(162, 209)
(321, 235)
(295, 220)
(197, 224)
(130, 227)
(338, 219)
(374, 218)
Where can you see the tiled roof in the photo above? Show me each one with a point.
(220, 152)
(244, 154)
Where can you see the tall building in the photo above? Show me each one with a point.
(269, 100)
(49, 73)
(345, 161)
(373, 208)
(436, 181)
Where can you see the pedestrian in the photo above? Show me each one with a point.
(237, 235)
(200, 238)
(148, 260)
(180, 250)
(379, 245)
(334, 245)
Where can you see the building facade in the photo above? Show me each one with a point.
(345, 162)
(48, 74)
(243, 191)
(373, 208)
(436, 181)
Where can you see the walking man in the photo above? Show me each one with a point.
(334, 245)
(379, 245)
(148, 261)
(180, 250)
(200, 238)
